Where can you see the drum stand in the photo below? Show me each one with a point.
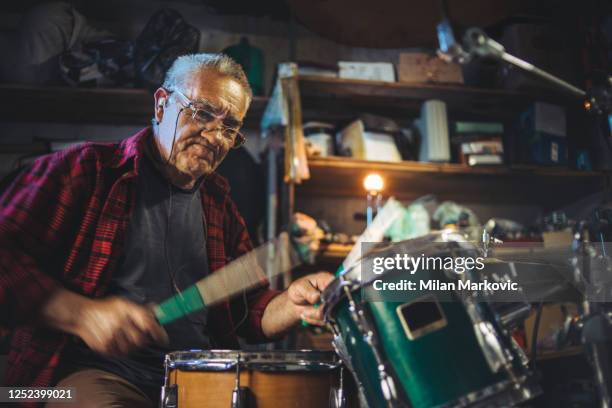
(595, 315)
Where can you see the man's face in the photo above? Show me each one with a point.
(199, 146)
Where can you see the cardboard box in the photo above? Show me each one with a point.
(551, 322)
(421, 67)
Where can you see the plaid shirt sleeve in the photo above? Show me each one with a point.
(257, 300)
(38, 211)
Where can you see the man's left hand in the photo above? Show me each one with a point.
(295, 304)
(304, 295)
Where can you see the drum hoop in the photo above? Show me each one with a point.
(277, 360)
(504, 393)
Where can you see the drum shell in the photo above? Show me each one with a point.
(432, 370)
(303, 378)
(445, 367)
(269, 389)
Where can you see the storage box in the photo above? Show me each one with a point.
(543, 135)
(547, 149)
(422, 67)
(369, 71)
(547, 46)
(360, 144)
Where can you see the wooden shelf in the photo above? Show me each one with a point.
(397, 98)
(552, 187)
(90, 105)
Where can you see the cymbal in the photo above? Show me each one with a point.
(540, 281)
(535, 253)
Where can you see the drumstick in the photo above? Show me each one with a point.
(253, 269)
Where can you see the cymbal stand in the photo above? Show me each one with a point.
(595, 314)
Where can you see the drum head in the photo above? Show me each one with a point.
(222, 360)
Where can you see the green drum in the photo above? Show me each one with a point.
(429, 348)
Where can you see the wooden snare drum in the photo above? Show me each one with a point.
(212, 378)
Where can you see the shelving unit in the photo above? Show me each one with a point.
(331, 95)
(336, 99)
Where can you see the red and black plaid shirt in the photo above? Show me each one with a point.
(63, 221)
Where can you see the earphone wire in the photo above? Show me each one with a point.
(174, 135)
(171, 274)
(169, 270)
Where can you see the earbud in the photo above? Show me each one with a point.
(161, 102)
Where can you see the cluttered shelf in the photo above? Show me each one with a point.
(343, 177)
(90, 105)
(398, 95)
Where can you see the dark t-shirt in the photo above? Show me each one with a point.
(165, 246)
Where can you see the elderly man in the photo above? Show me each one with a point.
(92, 235)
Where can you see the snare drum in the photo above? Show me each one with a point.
(434, 348)
(211, 378)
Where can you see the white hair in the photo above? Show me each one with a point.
(186, 65)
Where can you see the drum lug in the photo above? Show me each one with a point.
(491, 346)
(169, 396)
(388, 387)
(240, 397)
(337, 398)
(239, 394)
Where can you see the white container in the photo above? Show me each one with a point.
(320, 136)
(433, 125)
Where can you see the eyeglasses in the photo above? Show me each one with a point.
(203, 117)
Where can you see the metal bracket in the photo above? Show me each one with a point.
(169, 396)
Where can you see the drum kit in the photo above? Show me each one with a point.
(429, 349)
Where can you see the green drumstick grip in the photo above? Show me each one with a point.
(179, 305)
(304, 322)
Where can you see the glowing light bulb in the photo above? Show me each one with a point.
(373, 183)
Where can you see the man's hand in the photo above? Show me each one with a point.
(118, 326)
(306, 292)
(295, 304)
(108, 326)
